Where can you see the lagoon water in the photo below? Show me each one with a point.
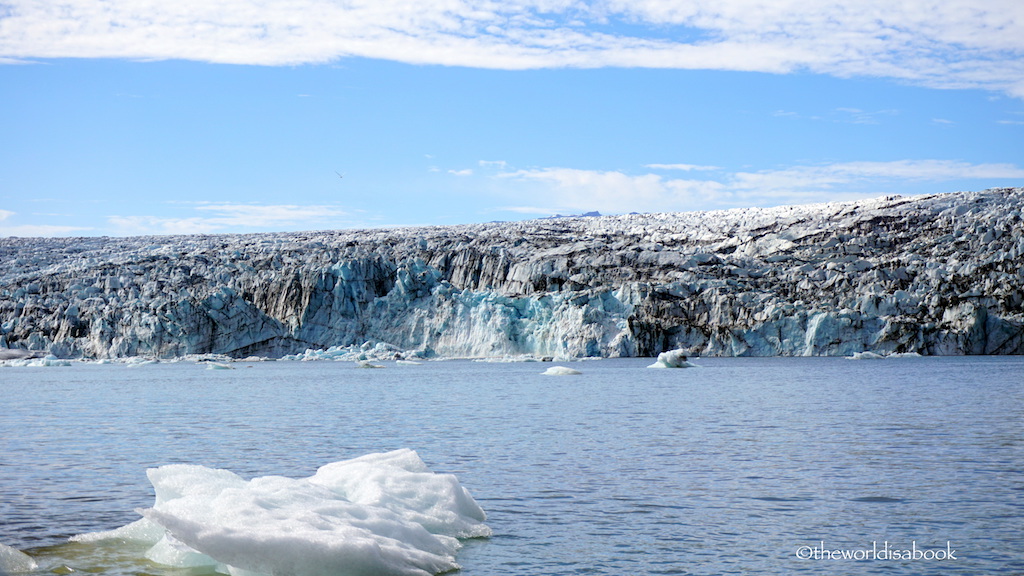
(737, 466)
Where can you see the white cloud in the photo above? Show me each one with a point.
(35, 230)
(683, 167)
(568, 190)
(499, 164)
(858, 116)
(464, 172)
(951, 44)
(526, 210)
(233, 217)
(42, 230)
(934, 170)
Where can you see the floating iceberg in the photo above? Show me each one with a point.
(373, 351)
(561, 371)
(379, 514)
(672, 359)
(48, 361)
(15, 561)
(866, 355)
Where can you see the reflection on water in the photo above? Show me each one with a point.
(729, 467)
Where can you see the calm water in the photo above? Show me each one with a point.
(724, 469)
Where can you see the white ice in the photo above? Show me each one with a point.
(672, 359)
(378, 514)
(15, 561)
(867, 355)
(48, 361)
(561, 371)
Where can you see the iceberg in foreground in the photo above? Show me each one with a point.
(378, 514)
(14, 561)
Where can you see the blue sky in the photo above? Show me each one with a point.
(144, 117)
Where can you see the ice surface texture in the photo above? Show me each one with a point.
(935, 274)
(378, 514)
(14, 561)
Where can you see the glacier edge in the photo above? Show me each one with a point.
(935, 275)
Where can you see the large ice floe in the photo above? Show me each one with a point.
(379, 514)
(935, 275)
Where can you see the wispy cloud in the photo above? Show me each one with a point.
(683, 167)
(569, 189)
(493, 164)
(33, 230)
(952, 44)
(550, 190)
(840, 115)
(858, 116)
(227, 217)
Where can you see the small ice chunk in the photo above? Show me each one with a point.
(561, 371)
(48, 361)
(672, 359)
(366, 364)
(15, 561)
(866, 356)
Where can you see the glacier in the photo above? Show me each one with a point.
(933, 275)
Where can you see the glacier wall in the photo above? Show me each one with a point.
(937, 275)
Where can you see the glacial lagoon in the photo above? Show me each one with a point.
(736, 466)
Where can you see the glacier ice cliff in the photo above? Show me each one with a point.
(936, 275)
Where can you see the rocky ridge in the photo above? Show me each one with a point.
(936, 275)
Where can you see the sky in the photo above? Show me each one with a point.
(138, 117)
